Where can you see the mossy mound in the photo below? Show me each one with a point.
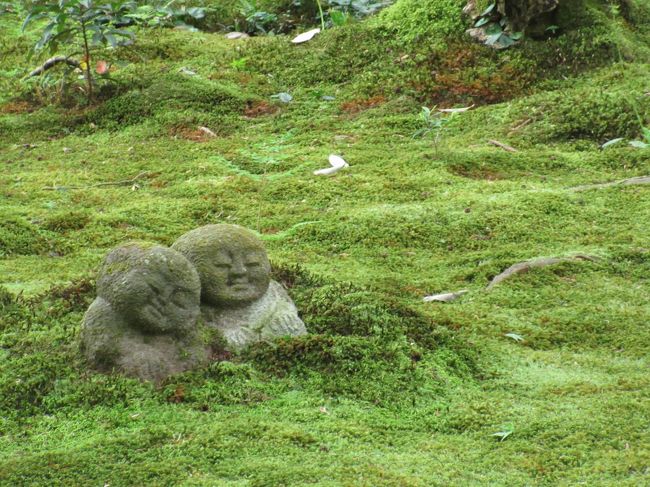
(173, 99)
(425, 21)
(361, 345)
(605, 106)
(20, 237)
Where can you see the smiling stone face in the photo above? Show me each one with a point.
(154, 289)
(231, 261)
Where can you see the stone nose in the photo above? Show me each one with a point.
(237, 268)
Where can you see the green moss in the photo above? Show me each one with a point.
(20, 237)
(387, 390)
(66, 221)
(172, 97)
(607, 106)
(430, 20)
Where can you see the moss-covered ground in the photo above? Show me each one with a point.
(387, 389)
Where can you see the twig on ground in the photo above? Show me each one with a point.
(520, 126)
(124, 182)
(622, 182)
(53, 61)
(531, 264)
(505, 147)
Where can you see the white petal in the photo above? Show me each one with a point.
(305, 36)
(337, 161)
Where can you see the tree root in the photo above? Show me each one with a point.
(622, 182)
(531, 264)
(53, 61)
(125, 182)
(505, 147)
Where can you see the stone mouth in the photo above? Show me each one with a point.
(241, 286)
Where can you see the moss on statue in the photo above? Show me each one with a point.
(237, 294)
(144, 320)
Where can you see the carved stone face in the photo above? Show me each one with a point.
(231, 262)
(235, 276)
(156, 302)
(154, 290)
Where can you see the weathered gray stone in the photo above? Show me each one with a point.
(238, 297)
(144, 320)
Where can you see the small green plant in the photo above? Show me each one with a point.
(434, 120)
(166, 16)
(82, 24)
(239, 64)
(495, 28)
(257, 20)
(344, 11)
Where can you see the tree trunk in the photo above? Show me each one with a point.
(520, 13)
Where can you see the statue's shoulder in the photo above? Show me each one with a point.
(101, 315)
(285, 319)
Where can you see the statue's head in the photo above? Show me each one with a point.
(154, 289)
(231, 261)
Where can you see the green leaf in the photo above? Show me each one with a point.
(493, 39)
(338, 18)
(97, 38)
(488, 9)
(515, 36)
(112, 40)
(494, 29)
(482, 21)
(506, 40)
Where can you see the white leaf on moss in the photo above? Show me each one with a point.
(337, 163)
(515, 337)
(455, 110)
(445, 297)
(305, 36)
(610, 143)
(236, 35)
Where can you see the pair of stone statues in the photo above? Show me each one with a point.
(157, 307)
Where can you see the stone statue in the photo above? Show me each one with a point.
(238, 296)
(144, 320)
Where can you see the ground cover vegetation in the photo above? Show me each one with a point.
(542, 380)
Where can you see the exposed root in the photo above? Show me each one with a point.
(534, 263)
(125, 182)
(505, 147)
(520, 126)
(622, 182)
